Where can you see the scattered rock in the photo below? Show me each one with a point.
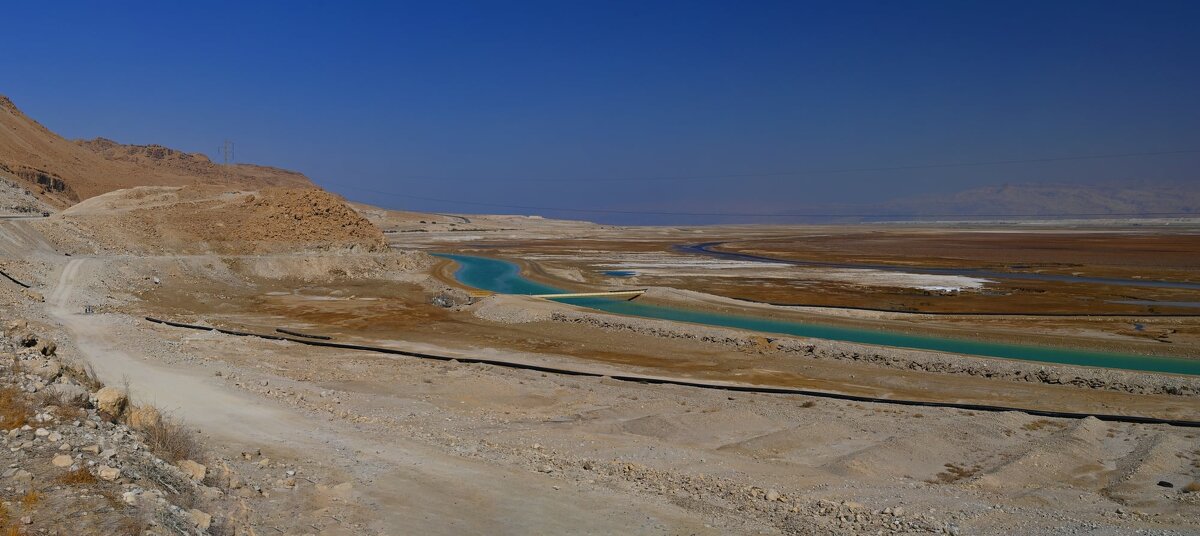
(201, 519)
(62, 460)
(194, 470)
(46, 347)
(449, 298)
(18, 325)
(772, 495)
(46, 369)
(27, 339)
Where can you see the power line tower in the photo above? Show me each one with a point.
(227, 157)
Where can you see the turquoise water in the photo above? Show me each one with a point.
(620, 273)
(505, 277)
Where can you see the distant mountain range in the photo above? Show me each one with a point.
(1144, 198)
(1055, 200)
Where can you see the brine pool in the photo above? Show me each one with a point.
(504, 277)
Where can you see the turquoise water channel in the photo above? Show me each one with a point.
(505, 278)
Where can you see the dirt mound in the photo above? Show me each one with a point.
(202, 220)
(306, 216)
(1076, 455)
(63, 173)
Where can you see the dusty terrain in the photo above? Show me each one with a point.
(381, 444)
(302, 439)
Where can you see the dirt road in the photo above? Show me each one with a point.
(410, 487)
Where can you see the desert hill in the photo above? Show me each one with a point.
(64, 172)
(156, 220)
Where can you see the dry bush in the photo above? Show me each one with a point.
(64, 409)
(1042, 423)
(954, 473)
(1193, 487)
(78, 477)
(808, 404)
(15, 410)
(171, 441)
(31, 499)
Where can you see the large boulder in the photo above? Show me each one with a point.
(144, 417)
(111, 401)
(46, 369)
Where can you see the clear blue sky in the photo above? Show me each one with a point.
(540, 103)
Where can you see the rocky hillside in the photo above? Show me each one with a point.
(64, 172)
(82, 459)
(155, 220)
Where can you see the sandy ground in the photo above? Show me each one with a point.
(394, 445)
(501, 501)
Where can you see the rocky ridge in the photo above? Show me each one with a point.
(81, 458)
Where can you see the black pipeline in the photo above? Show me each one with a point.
(1135, 419)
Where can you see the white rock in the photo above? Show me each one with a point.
(108, 473)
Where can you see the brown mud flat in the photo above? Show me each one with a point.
(385, 313)
(1080, 314)
(1129, 255)
(1094, 254)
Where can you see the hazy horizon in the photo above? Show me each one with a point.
(632, 107)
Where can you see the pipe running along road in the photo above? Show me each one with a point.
(742, 388)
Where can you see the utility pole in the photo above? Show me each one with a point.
(227, 157)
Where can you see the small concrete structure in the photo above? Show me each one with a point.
(631, 293)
